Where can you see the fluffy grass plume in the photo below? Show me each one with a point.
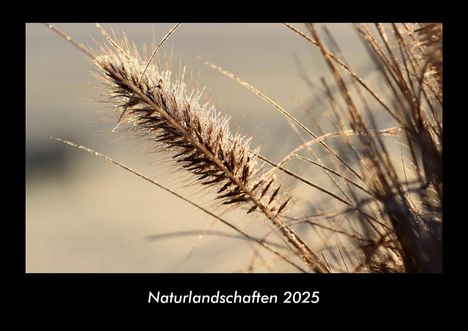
(177, 120)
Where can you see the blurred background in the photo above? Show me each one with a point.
(86, 215)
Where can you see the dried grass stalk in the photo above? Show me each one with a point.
(176, 119)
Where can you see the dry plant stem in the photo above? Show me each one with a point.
(307, 144)
(341, 84)
(302, 179)
(356, 118)
(333, 195)
(299, 157)
(339, 121)
(306, 253)
(80, 46)
(260, 242)
(168, 235)
(344, 133)
(350, 72)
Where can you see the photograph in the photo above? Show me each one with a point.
(266, 148)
